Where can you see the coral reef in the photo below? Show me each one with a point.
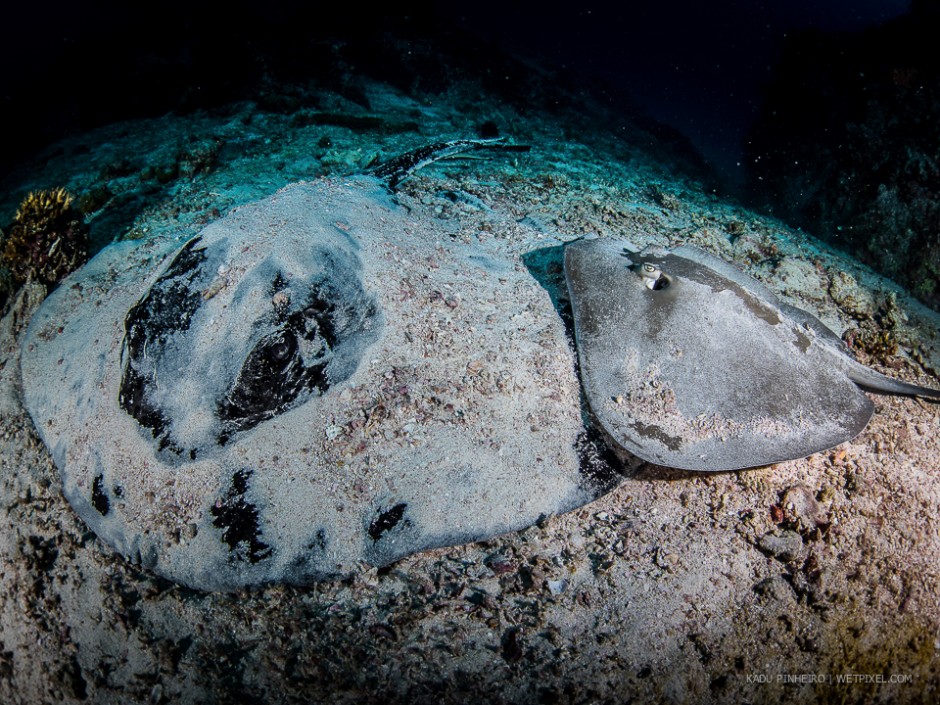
(47, 239)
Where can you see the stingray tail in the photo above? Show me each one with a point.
(876, 382)
(396, 170)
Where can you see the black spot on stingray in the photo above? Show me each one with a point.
(309, 565)
(134, 400)
(146, 558)
(279, 283)
(170, 302)
(319, 541)
(510, 648)
(99, 497)
(387, 520)
(652, 431)
(318, 318)
(298, 348)
(277, 372)
(167, 308)
(238, 520)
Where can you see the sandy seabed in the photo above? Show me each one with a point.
(810, 580)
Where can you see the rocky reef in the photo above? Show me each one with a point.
(847, 145)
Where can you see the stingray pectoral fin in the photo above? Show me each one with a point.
(877, 382)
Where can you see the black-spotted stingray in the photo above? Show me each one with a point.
(689, 363)
(319, 379)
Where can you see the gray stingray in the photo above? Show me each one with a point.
(317, 379)
(689, 363)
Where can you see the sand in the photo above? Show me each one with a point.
(814, 579)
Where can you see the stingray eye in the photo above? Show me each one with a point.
(650, 272)
(281, 348)
(653, 277)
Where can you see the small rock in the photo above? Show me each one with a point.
(802, 504)
(666, 561)
(774, 588)
(851, 298)
(783, 545)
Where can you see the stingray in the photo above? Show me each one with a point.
(689, 363)
(320, 379)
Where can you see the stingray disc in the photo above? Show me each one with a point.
(705, 370)
(318, 379)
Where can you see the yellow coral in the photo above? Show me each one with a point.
(47, 239)
(43, 206)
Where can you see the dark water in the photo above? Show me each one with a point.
(820, 112)
(698, 67)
